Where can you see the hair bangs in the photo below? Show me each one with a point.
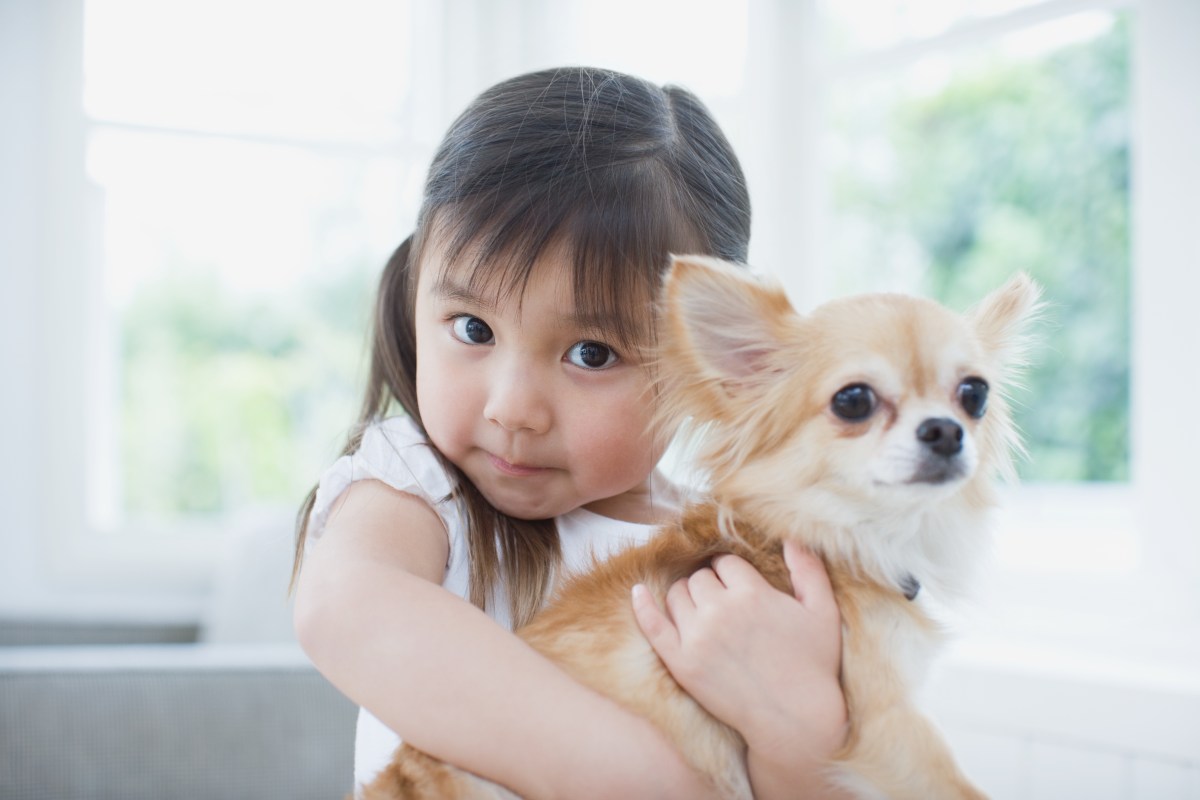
(616, 232)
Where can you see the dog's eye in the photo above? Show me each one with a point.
(973, 396)
(855, 402)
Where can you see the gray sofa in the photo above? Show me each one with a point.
(170, 721)
(224, 707)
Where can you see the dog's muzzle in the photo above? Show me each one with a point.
(941, 443)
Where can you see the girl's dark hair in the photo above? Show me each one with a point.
(621, 172)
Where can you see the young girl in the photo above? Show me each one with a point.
(510, 331)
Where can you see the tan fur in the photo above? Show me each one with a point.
(756, 379)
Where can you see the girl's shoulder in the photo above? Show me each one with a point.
(394, 451)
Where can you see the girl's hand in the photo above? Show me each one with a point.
(764, 662)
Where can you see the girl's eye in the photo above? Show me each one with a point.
(592, 355)
(471, 330)
(854, 403)
(973, 396)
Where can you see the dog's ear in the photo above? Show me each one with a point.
(1002, 320)
(722, 328)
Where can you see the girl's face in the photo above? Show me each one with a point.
(530, 399)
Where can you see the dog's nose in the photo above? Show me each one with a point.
(943, 436)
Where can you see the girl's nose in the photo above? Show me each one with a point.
(516, 401)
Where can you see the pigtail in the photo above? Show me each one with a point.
(393, 372)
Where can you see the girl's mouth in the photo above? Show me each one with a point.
(516, 470)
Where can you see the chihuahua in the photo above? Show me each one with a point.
(872, 431)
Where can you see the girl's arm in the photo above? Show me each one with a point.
(764, 662)
(372, 616)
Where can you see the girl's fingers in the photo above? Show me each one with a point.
(658, 629)
(810, 580)
(681, 606)
(734, 571)
(703, 586)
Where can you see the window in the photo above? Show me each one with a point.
(951, 173)
(233, 189)
(240, 188)
(246, 203)
(964, 140)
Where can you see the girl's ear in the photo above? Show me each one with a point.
(722, 327)
(1002, 319)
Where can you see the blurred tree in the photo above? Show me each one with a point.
(228, 401)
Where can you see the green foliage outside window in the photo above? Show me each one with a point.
(233, 402)
(1024, 165)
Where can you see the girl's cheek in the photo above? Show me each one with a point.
(445, 396)
(620, 439)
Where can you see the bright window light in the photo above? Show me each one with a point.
(248, 189)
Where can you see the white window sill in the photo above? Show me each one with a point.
(1116, 703)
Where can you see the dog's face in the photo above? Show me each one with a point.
(898, 391)
(872, 405)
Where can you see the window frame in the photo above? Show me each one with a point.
(59, 564)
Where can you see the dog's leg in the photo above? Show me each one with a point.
(900, 756)
(892, 750)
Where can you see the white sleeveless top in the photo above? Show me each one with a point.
(394, 451)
